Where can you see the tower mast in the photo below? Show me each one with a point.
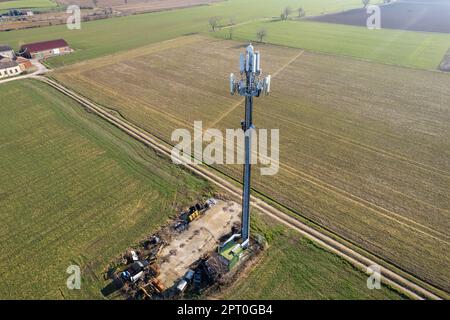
(249, 86)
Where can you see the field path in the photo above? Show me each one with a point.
(246, 22)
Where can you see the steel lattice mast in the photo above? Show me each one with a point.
(250, 85)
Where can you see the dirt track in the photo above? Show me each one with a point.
(404, 282)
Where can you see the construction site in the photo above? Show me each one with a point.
(197, 253)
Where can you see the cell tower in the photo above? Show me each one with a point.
(251, 84)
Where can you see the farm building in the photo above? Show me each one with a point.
(23, 63)
(9, 68)
(46, 49)
(7, 52)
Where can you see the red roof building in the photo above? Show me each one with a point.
(46, 49)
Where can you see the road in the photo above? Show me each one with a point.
(403, 282)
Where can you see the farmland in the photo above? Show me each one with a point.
(294, 268)
(420, 50)
(26, 4)
(430, 16)
(77, 191)
(74, 191)
(138, 5)
(364, 146)
(124, 33)
(399, 47)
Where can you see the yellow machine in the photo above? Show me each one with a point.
(194, 216)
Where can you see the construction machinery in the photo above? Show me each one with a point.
(135, 271)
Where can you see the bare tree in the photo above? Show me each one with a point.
(213, 23)
(285, 14)
(287, 11)
(95, 2)
(261, 34)
(365, 3)
(231, 28)
(301, 12)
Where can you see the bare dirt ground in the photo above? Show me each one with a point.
(414, 15)
(201, 238)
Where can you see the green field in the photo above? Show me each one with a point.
(294, 267)
(423, 50)
(26, 4)
(108, 36)
(74, 190)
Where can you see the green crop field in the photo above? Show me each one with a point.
(422, 50)
(364, 146)
(292, 267)
(74, 190)
(26, 4)
(102, 37)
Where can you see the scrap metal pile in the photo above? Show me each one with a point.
(135, 274)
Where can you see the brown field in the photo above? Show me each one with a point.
(45, 19)
(365, 147)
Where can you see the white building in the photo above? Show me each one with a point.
(9, 68)
(7, 51)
